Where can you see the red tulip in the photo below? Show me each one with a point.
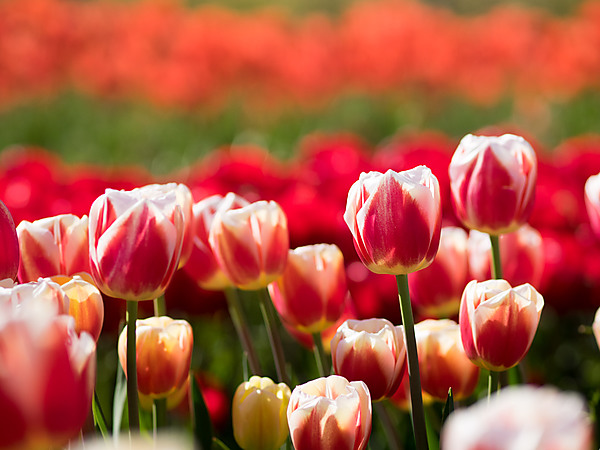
(135, 242)
(9, 259)
(492, 180)
(395, 219)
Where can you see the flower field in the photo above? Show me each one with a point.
(126, 128)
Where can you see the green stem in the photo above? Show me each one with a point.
(496, 260)
(160, 306)
(241, 327)
(493, 380)
(159, 409)
(320, 355)
(414, 377)
(266, 307)
(132, 391)
(389, 427)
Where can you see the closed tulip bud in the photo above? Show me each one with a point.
(436, 290)
(135, 242)
(311, 293)
(202, 266)
(492, 180)
(443, 361)
(250, 243)
(44, 291)
(592, 202)
(85, 305)
(498, 322)
(9, 257)
(395, 219)
(330, 414)
(164, 353)
(521, 417)
(522, 256)
(259, 414)
(371, 351)
(52, 246)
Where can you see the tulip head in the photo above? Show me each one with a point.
(9, 258)
(592, 202)
(311, 293)
(330, 413)
(164, 353)
(442, 360)
(372, 351)
(492, 180)
(596, 326)
(395, 219)
(135, 241)
(498, 322)
(86, 305)
(42, 292)
(251, 243)
(259, 414)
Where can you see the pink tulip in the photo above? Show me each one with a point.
(44, 292)
(56, 245)
(522, 253)
(330, 414)
(311, 293)
(498, 322)
(9, 259)
(436, 290)
(135, 242)
(395, 219)
(592, 202)
(443, 361)
(251, 243)
(521, 417)
(202, 265)
(492, 180)
(596, 326)
(372, 351)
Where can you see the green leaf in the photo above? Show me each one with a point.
(202, 425)
(218, 444)
(99, 419)
(448, 407)
(119, 400)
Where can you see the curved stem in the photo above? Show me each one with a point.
(241, 327)
(160, 306)
(320, 355)
(266, 307)
(496, 260)
(414, 377)
(132, 391)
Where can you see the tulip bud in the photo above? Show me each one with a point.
(56, 245)
(592, 202)
(436, 290)
(250, 243)
(443, 361)
(311, 293)
(9, 257)
(330, 413)
(259, 414)
(522, 256)
(596, 326)
(85, 305)
(41, 292)
(164, 353)
(202, 265)
(372, 351)
(492, 180)
(521, 417)
(135, 242)
(498, 323)
(395, 219)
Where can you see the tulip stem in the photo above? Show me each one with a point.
(132, 389)
(266, 307)
(389, 427)
(414, 377)
(241, 327)
(159, 408)
(320, 356)
(160, 306)
(493, 380)
(496, 261)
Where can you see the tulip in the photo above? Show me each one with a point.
(56, 245)
(202, 265)
(85, 305)
(330, 414)
(522, 256)
(443, 361)
(251, 243)
(259, 414)
(42, 292)
(135, 242)
(47, 376)
(164, 352)
(498, 322)
(592, 201)
(372, 351)
(311, 293)
(9, 259)
(492, 180)
(395, 219)
(436, 290)
(521, 417)
(596, 326)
